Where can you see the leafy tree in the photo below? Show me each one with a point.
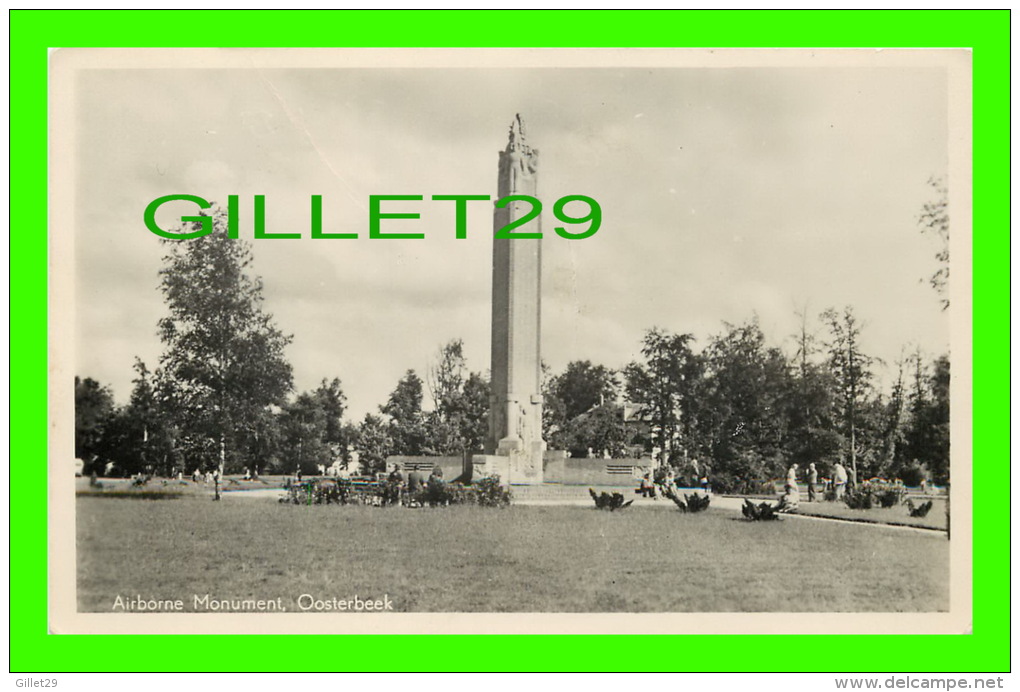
(407, 432)
(474, 426)
(133, 436)
(938, 419)
(851, 371)
(265, 449)
(459, 421)
(446, 380)
(303, 432)
(554, 411)
(572, 404)
(893, 437)
(223, 362)
(93, 406)
(583, 386)
(746, 390)
(927, 434)
(146, 415)
(600, 429)
(811, 435)
(666, 386)
(373, 444)
(934, 220)
(331, 400)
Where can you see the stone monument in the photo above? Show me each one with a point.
(514, 448)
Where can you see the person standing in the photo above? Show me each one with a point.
(812, 480)
(791, 479)
(839, 478)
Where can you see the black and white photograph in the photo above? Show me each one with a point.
(510, 340)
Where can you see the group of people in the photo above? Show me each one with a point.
(415, 480)
(838, 482)
(209, 476)
(695, 477)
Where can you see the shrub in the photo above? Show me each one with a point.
(859, 498)
(763, 511)
(487, 492)
(690, 503)
(913, 473)
(890, 497)
(881, 494)
(921, 510)
(729, 484)
(490, 493)
(320, 492)
(612, 502)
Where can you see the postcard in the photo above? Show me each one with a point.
(510, 341)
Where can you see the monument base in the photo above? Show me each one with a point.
(519, 466)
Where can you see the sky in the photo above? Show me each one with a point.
(726, 193)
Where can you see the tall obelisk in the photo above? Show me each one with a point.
(515, 411)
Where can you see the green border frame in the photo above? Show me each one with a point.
(986, 32)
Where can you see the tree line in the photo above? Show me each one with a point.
(222, 396)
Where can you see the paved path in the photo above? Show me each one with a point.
(552, 495)
(577, 496)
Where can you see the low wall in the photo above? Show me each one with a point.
(452, 467)
(569, 471)
(557, 468)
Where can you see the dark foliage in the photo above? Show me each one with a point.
(689, 503)
(860, 498)
(321, 491)
(763, 511)
(487, 492)
(921, 510)
(612, 502)
(867, 497)
(491, 494)
(889, 498)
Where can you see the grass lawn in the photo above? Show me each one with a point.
(523, 559)
(936, 517)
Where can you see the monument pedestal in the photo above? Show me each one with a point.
(513, 463)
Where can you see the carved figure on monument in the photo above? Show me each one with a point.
(518, 163)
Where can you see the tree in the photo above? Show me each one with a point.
(373, 444)
(146, 417)
(746, 389)
(459, 420)
(934, 220)
(893, 437)
(93, 406)
(851, 371)
(223, 363)
(583, 386)
(303, 429)
(811, 434)
(331, 400)
(446, 379)
(665, 385)
(135, 437)
(600, 429)
(926, 443)
(407, 422)
(938, 419)
(474, 427)
(582, 410)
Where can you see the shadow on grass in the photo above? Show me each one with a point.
(131, 494)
